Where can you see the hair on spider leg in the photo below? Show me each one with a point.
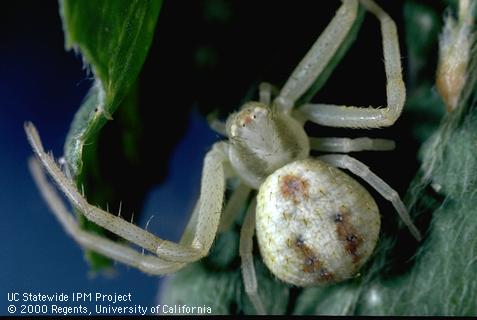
(119, 211)
(62, 163)
(148, 221)
(147, 225)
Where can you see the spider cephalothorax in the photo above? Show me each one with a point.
(262, 140)
(314, 223)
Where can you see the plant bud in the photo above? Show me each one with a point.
(455, 45)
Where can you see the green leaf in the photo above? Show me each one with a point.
(98, 188)
(114, 37)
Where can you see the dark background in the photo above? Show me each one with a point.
(206, 56)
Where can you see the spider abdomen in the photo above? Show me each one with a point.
(315, 224)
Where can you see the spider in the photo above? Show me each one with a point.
(314, 223)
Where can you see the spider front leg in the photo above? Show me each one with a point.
(117, 251)
(318, 56)
(208, 217)
(265, 92)
(345, 145)
(217, 125)
(358, 117)
(361, 170)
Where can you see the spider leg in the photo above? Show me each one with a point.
(361, 170)
(217, 125)
(265, 93)
(345, 145)
(116, 251)
(318, 56)
(235, 203)
(246, 253)
(211, 197)
(231, 210)
(210, 206)
(359, 117)
(190, 229)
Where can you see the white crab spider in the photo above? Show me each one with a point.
(314, 223)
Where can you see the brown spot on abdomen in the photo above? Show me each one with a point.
(311, 262)
(294, 188)
(326, 275)
(347, 233)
